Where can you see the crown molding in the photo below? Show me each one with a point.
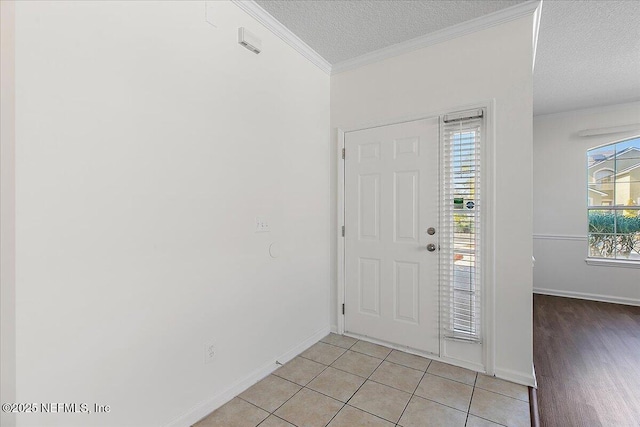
(464, 28)
(537, 15)
(272, 24)
(454, 31)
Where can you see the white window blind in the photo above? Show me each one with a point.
(461, 203)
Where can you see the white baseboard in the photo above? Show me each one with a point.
(296, 350)
(587, 296)
(334, 329)
(516, 377)
(207, 406)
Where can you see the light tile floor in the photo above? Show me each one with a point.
(343, 382)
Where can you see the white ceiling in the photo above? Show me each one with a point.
(588, 55)
(341, 30)
(588, 51)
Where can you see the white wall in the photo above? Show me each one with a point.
(560, 203)
(7, 210)
(147, 142)
(491, 64)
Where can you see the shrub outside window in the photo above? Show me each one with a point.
(613, 191)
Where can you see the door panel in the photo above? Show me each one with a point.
(369, 206)
(391, 198)
(406, 287)
(369, 285)
(406, 205)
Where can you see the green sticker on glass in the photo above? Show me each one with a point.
(458, 203)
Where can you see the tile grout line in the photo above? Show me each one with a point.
(359, 376)
(367, 354)
(274, 415)
(301, 388)
(473, 390)
(491, 421)
(365, 381)
(397, 364)
(505, 395)
(381, 361)
(368, 379)
(370, 413)
(345, 403)
(442, 404)
(395, 388)
(334, 415)
(300, 385)
(447, 378)
(339, 346)
(372, 380)
(412, 394)
(252, 404)
(451, 379)
(385, 360)
(483, 417)
(346, 348)
(289, 422)
(309, 382)
(404, 366)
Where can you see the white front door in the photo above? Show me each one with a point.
(391, 200)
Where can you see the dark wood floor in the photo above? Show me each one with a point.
(587, 361)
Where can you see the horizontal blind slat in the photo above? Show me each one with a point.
(459, 272)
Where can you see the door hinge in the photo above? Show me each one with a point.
(342, 308)
(343, 153)
(343, 231)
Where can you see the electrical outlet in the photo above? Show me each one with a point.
(262, 225)
(209, 353)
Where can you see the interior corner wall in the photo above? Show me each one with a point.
(560, 206)
(148, 140)
(495, 63)
(7, 211)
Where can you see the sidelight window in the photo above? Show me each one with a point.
(462, 207)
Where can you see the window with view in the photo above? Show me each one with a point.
(613, 191)
(462, 207)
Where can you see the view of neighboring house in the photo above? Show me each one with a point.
(614, 175)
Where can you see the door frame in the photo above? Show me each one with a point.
(488, 225)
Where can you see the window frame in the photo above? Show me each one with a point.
(613, 208)
(454, 327)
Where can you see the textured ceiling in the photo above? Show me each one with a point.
(341, 30)
(588, 55)
(588, 51)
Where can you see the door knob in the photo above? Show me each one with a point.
(431, 247)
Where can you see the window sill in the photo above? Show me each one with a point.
(613, 262)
